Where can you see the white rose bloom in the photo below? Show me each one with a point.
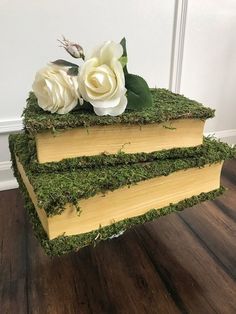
(55, 90)
(102, 81)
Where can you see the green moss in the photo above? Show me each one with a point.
(25, 146)
(66, 244)
(54, 190)
(166, 106)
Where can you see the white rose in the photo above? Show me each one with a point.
(102, 81)
(55, 90)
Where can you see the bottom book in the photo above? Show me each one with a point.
(73, 209)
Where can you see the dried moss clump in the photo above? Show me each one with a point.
(54, 190)
(166, 106)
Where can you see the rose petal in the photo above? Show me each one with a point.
(119, 72)
(115, 111)
(101, 79)
(68, 108)
(106, 103)
(109, 51)
(55, 90)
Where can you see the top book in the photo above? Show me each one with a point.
(173, 121)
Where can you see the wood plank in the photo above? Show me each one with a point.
(230, 170)
(216, 232)
(192, 276)
(94, 280)
(52, 287)
(13, 254)
(71, 278)
(135, 275)
(167, 266)
(226, 203)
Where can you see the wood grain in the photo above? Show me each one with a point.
(181, 263)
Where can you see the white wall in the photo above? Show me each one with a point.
(202, 50)
(209, 62)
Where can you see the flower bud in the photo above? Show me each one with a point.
(74, 49)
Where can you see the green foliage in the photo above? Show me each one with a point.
(54, 190)
(166, 106)
(123, 60)
(138, 92)
(73, 71)
(64, 63)
(123, 44)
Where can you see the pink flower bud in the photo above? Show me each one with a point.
(74, 49)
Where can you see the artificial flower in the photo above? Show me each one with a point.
(74, 49)
(102, 81)
(55, 90)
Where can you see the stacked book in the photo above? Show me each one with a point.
(87, 178)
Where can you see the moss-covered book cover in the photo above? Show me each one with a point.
(99, 108)
(84, 202)
(172, 121)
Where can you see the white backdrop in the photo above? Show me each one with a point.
(209, 63)
(205, 56)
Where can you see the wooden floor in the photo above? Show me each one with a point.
(182, 263)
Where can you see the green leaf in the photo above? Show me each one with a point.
(87, 106)
(123, 60)
(73, 71)
(123, 44)
(138, 93)
(64, 63)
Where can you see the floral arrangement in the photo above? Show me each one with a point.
(102, 80)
